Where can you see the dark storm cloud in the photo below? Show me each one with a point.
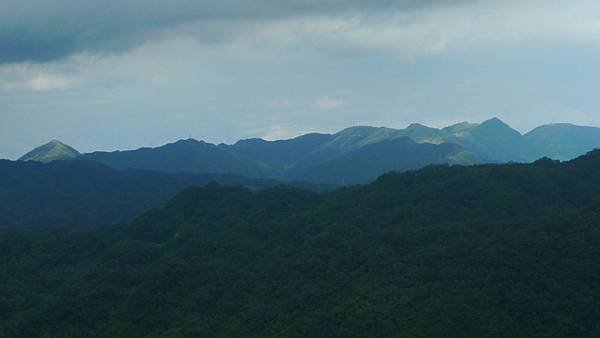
(42, 30)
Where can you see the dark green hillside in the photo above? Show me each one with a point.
(482, 251)
(81, 193)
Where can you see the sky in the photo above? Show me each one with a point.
(106, 75)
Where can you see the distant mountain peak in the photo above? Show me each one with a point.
(496, 125)
(355, 129)
(52, 151)
(460, 129)
(188, 140)
(494, 121)
(463, 125)
(417, 126)
(251, 142)
(557, 127)
(189, 143)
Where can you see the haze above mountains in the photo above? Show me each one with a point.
(353, 155)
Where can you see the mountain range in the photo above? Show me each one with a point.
(353, 155)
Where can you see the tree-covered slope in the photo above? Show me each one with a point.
(82, 193)
(483, 251)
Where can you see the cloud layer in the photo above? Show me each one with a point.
(41, 30)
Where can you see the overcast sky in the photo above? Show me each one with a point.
(104, 75)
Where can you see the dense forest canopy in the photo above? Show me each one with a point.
(490, 250)
(84, 194)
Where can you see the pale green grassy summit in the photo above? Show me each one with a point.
(51, 151)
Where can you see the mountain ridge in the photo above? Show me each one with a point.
(492, 141)
(283, 159)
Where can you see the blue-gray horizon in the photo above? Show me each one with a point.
(125, 74)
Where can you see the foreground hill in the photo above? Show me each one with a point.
(81, 193)
(484, 251)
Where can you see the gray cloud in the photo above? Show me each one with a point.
(41, 30)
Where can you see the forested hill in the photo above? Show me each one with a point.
(83, 194)
(483, 251)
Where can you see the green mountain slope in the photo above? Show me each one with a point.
(348, 149)
(563, 141)
(461, 129)
(400, 154)
(423, 134)
(483, 251)
(278, 157)
(51, 151)
(493, 140)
